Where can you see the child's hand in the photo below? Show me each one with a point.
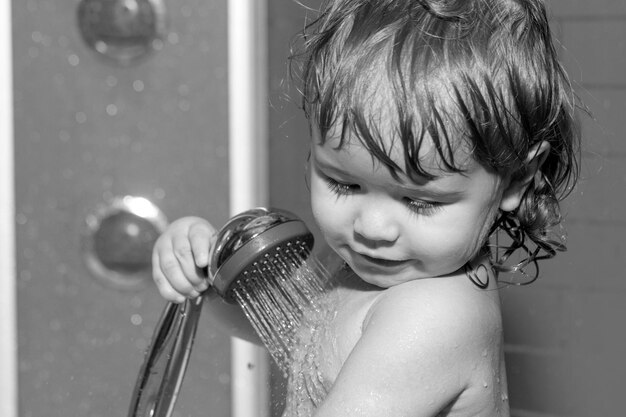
(179, 257)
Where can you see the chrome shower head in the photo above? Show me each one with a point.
(254, 241)
(252, 246)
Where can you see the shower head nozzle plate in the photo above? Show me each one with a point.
(254, 242)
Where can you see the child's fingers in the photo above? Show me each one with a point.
(200, 237)
(170, 269)
(182, 249)
(165, 288)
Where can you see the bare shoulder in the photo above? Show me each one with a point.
(426, 346)
(452, 308)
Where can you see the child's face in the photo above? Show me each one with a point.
(392, 231)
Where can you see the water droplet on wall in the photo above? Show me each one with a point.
(64, 136)
(173, 38)
(21, 219)
(80, 117)
(138, 86)
(36, 36)
(111, 81)
(111, 109)
(157, 44)
(73, 59)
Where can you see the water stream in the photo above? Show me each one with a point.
(287, 306)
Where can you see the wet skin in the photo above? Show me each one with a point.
(412, 335)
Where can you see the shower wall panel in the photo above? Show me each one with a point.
(89, 129)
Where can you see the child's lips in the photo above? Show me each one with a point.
(380, 261)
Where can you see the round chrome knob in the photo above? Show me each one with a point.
(122, 30)
(118, 240)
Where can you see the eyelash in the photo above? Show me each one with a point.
(340, 188)
(424, 208)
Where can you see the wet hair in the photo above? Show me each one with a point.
(478, 75)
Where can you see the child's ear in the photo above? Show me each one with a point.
(513, 193)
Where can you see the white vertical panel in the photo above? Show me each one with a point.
(248, 170)
(8, 338)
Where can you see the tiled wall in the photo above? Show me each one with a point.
(566, 334)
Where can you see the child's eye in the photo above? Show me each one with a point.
(424, 208)
(340, 188)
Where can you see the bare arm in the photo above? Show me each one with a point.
(417, 353)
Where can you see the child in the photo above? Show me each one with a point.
(434, 123)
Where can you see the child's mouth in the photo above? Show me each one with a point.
(388, 263)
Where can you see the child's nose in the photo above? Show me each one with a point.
(376, 225)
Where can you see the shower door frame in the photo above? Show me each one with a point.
(8, 330)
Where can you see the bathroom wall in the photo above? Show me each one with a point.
(565, 334)
(86, 130)
(565, 337)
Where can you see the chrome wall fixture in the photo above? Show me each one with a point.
(118, 238)
(123, 31)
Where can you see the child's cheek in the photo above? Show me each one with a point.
(323, 207)
(317, 203)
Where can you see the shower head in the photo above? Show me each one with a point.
(254, 242)
(251, 246)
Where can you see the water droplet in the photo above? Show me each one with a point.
(173, 38)
(80, 117)
(157, 44)
(111, 109)
(64, 136)
(73, 59)
(21, 219)
(36, 36)
(138, 86)
(136, 319)
(111, 81)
